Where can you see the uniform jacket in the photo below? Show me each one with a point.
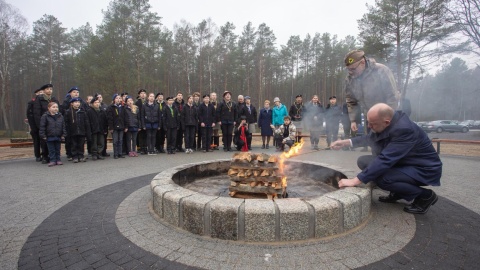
(264, 122)
(227, 113)
(139, 103)
(151, 116)
(40, 106)
(206, 114)
(375, 85)
(52, 127)
(403, 146)
(98, 121)
(296, 110)
(292, 131)
(77, 123)
(278, 112)
(132, 120)
(189, 116)
(31, 116)
(171, 118)
(115, 117)
(251, 115)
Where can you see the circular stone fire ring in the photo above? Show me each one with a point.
(258, 220)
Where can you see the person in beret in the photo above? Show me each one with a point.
(179, 103)
(160, 138)
(206, 118)
(142, 134)
(98, 127)
(40, 106)
(367, 84)
(33, 127)
(171, 124)
(116, 125)
(333, 115)
(78, 128)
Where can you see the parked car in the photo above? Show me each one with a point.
(476, 125)
(468, 123)
(440, 126)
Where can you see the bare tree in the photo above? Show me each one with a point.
(466, 16)
(12, 29)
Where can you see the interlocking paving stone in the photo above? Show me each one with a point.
(91, 243)
(446, 238)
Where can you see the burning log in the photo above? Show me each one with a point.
(256, 174)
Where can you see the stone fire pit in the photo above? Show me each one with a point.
(259, 220)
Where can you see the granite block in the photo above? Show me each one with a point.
(294, 219)
(259, 220)
(328, 216)
(224, 218)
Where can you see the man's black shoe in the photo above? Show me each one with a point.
(38, 159)
(391, 198)
(421, 206)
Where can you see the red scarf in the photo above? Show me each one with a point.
(243, 137)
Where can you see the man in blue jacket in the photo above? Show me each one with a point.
(403, 159)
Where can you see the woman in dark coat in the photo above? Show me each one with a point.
(264, 122)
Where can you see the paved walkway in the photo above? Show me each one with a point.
(95, 215)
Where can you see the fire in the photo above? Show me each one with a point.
(284, 181)
(292, 152)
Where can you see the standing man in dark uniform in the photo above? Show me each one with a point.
(171, 124)
(403, 159)
(40, 106)
(226, 117)
(296, 113)
(179, 104)
(160, 139)
(142, 134)
(367, 84)
(34, 130)
(333, 114)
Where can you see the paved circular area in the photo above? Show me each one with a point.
(385, 233)
(112, 227)
(72, 218)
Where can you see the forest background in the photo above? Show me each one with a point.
(131, 50)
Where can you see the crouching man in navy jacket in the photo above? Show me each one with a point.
(403, 159)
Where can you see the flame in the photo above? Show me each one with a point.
(284, 181)
(294, 150)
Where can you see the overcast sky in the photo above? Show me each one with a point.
(284, 17)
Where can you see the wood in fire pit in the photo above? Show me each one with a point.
(255, 175)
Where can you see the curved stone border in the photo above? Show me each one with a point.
(256, 220)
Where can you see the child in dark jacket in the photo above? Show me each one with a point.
(78, 128)
(151, 122)
(171, 123)
(99, 127)
(52, 130)
(116, 125)
(189, 119)
(132, 116)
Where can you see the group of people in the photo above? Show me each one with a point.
(403, 159)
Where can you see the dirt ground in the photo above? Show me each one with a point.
(7, 153)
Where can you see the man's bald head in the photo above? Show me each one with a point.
(379, 117)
